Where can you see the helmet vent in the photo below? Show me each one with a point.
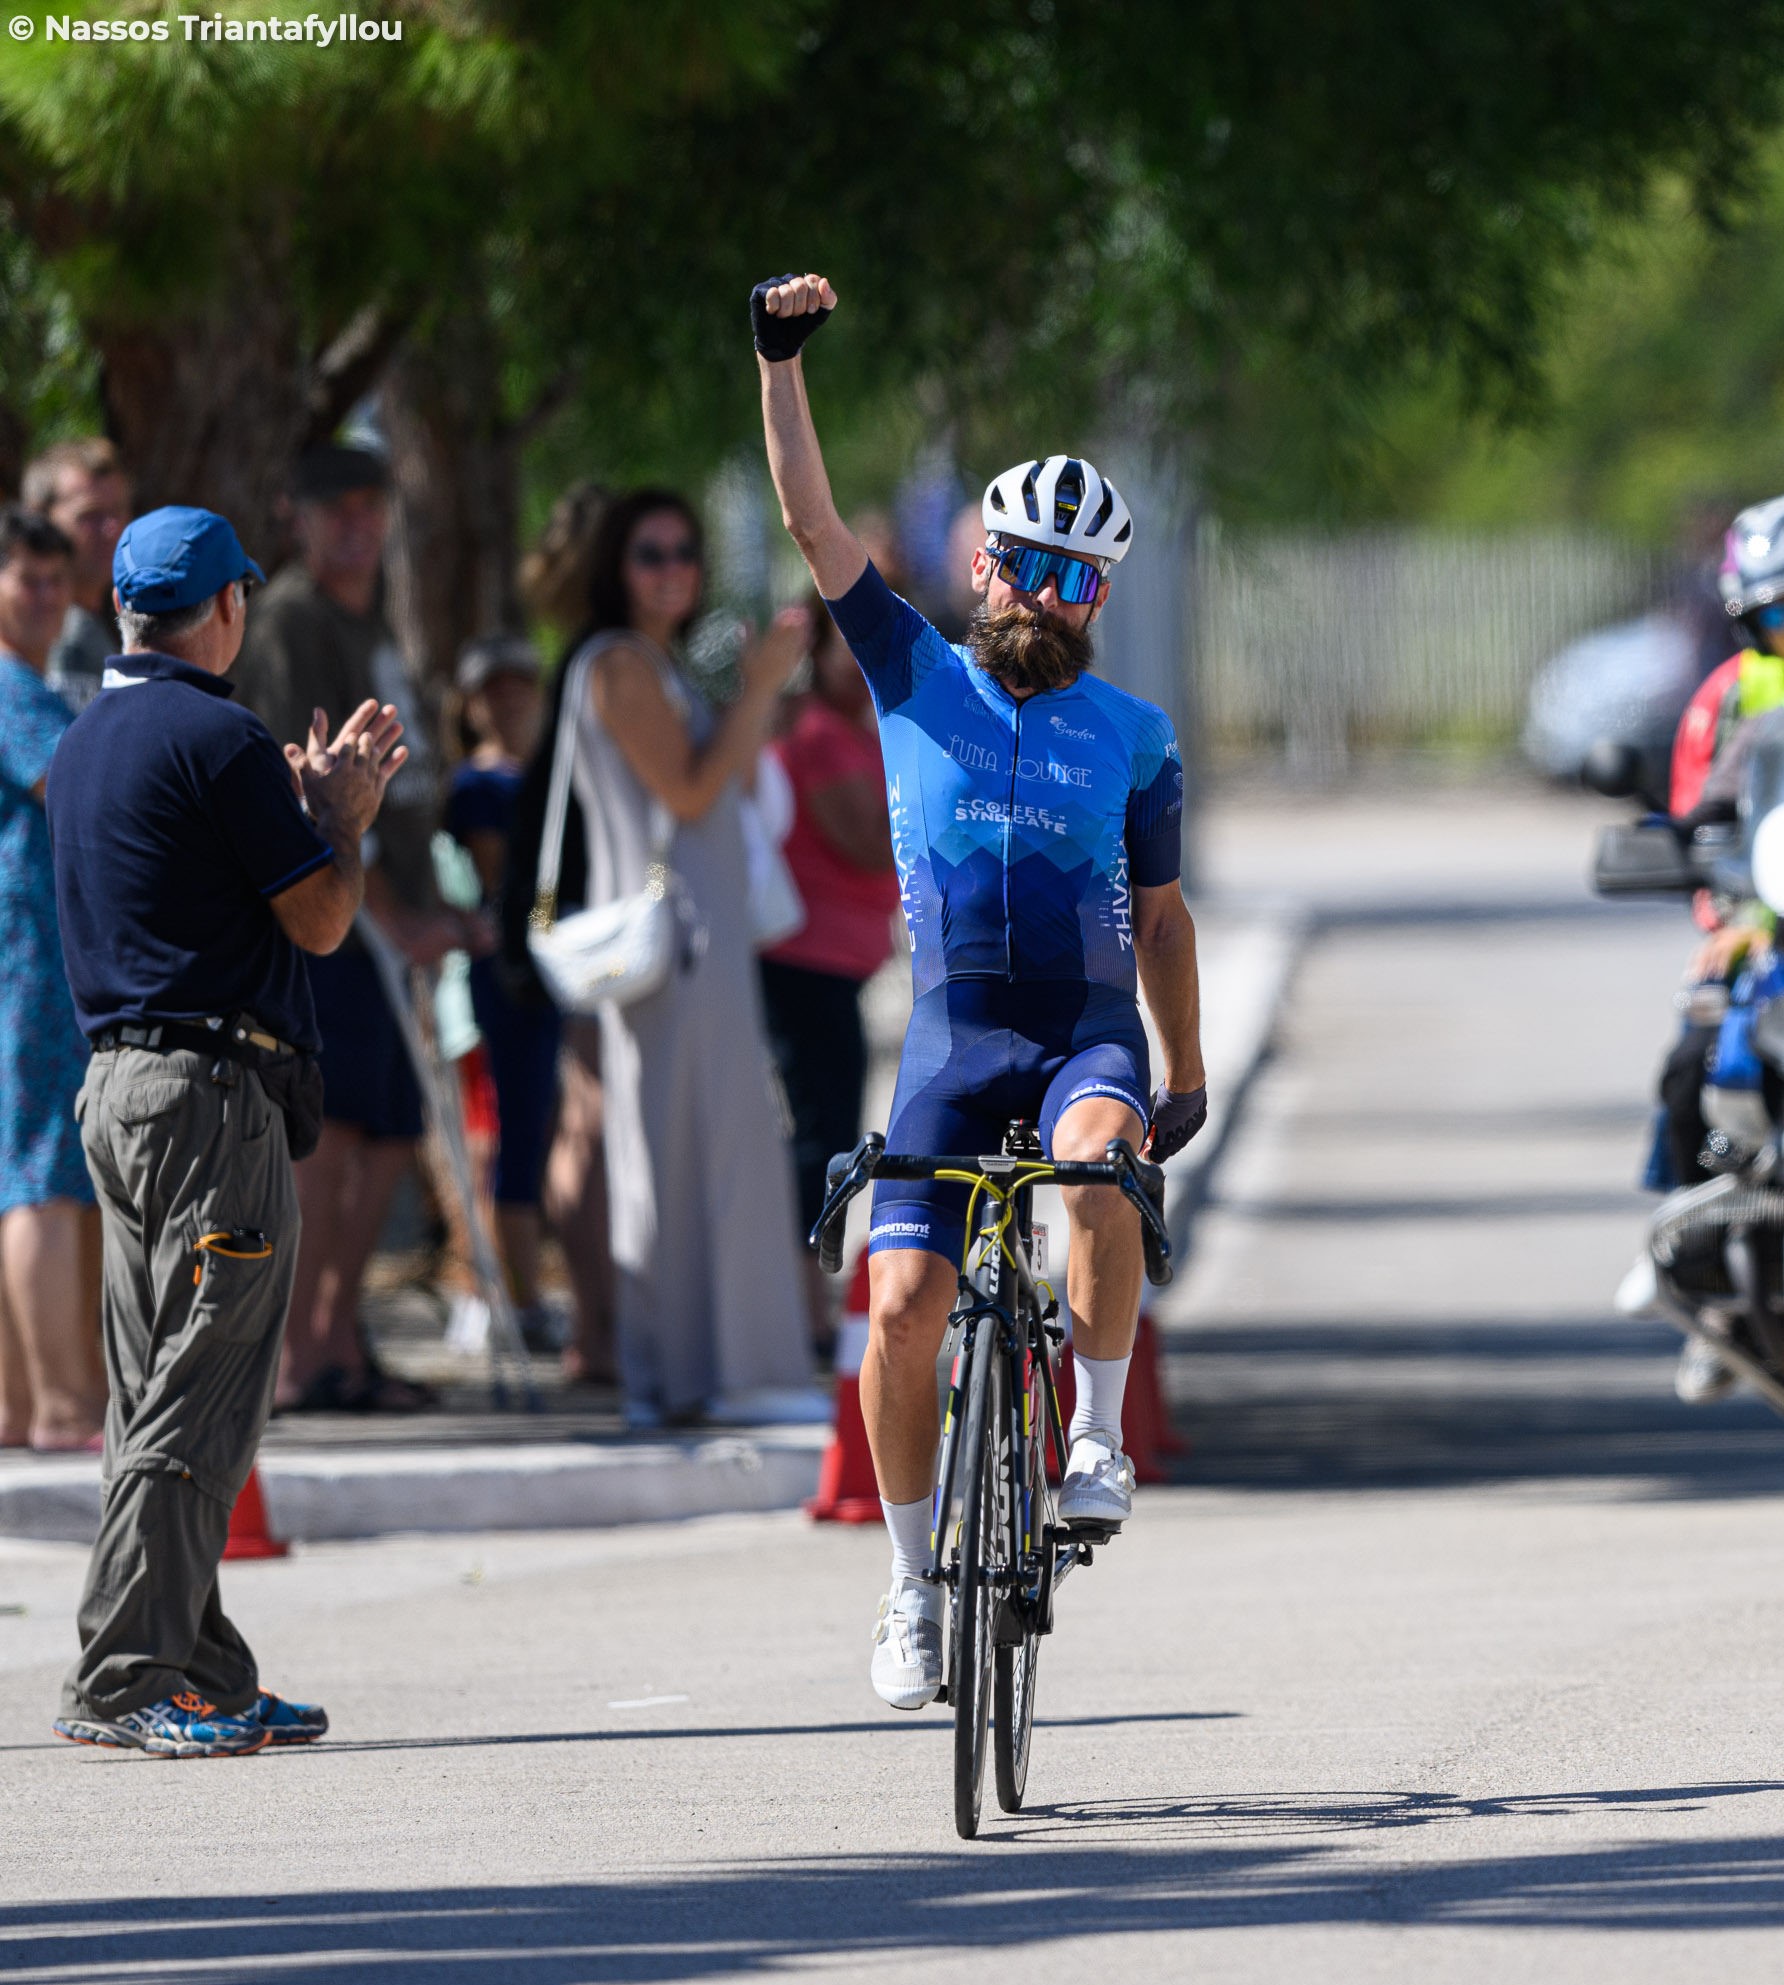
(1029, 501)
(1104, 510)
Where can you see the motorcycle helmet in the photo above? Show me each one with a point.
(1061, 502)
(1752, 572)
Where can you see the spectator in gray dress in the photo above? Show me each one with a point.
(81, 487)
(710, 1304)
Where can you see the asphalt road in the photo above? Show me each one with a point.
(1455, 1655)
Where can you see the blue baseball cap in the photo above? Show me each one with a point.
(175, 557)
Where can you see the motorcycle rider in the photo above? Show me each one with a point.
(1709, 753)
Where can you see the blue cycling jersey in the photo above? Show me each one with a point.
(1020, 828)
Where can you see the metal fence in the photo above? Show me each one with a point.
(1314, 645)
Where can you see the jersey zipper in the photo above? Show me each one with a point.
(1010, 847)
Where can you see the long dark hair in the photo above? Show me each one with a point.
(608, 602)
(608, 606)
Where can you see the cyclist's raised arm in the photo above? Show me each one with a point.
(783, 314)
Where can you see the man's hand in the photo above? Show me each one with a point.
(1176, 1117)
(786, 310)
(342, 779)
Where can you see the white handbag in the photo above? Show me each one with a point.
(777, 910)
(623, 950)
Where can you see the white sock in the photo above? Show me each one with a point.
(909, 1525)
(1101, 1382)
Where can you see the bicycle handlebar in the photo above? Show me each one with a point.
(852, 1172)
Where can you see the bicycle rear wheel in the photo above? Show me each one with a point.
(1013, 1682)
(975, 1598)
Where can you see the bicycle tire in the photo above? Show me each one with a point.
(974, 1598)
(1013, 1681)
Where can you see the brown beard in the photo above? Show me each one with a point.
(1026, 650)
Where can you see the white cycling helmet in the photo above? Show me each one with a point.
(1061, 502)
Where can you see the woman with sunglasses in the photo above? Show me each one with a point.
(708, 1297)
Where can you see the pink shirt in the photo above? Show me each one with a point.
(848, 910)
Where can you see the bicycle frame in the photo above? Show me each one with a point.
(1004, 1183)
(1017, 1340)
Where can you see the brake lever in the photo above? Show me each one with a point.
(1153, 1234)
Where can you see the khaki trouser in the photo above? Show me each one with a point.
(191, 1349)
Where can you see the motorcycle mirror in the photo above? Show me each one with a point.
(1612, 768)
(1767, 861)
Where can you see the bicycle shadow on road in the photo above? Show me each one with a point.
(761, 1915)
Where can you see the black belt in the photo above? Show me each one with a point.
(241, 1039)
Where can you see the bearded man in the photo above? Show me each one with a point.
(1036, 822)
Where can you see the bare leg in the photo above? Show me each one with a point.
(575, 1199)
(1106, 1263)
(321, 1186)
(911, 1293)
(16, 1398)
(40, 1256)
(518, 1230)
(378, 1165)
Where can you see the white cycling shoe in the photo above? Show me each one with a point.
(1701, 1376)
(1098, 1486)
(907, 1644)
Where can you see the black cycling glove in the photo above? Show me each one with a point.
(779, 338)
(1176, 1117)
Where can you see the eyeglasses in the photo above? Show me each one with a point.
(1769, 620)
(1029, 567)
(656, 558)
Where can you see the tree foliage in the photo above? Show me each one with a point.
(1045, 215)
(1661, 393)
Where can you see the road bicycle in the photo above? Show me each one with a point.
(997, 1543)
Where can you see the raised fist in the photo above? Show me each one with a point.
(786, 310)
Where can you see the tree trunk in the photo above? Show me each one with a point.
(212, 408)
(454, 466)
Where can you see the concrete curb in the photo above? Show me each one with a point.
(358, 1492)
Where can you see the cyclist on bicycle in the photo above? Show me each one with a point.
(1036, 815)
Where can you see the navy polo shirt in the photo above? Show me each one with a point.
(174, 823)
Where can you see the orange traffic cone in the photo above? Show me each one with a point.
(847, 1490)
(249, 1535)
(1146, 1430)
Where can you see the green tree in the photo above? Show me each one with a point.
(1044, 213)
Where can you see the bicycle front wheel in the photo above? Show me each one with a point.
(975, 1597)
(1013, 1687)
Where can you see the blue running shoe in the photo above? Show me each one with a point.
(287, 1722)
(181, 1726)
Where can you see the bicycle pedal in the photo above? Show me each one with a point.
(1087, 1530)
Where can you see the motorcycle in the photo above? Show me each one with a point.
(1716, 1248)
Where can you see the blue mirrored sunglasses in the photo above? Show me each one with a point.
(1769, 619)
(1029, 567)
